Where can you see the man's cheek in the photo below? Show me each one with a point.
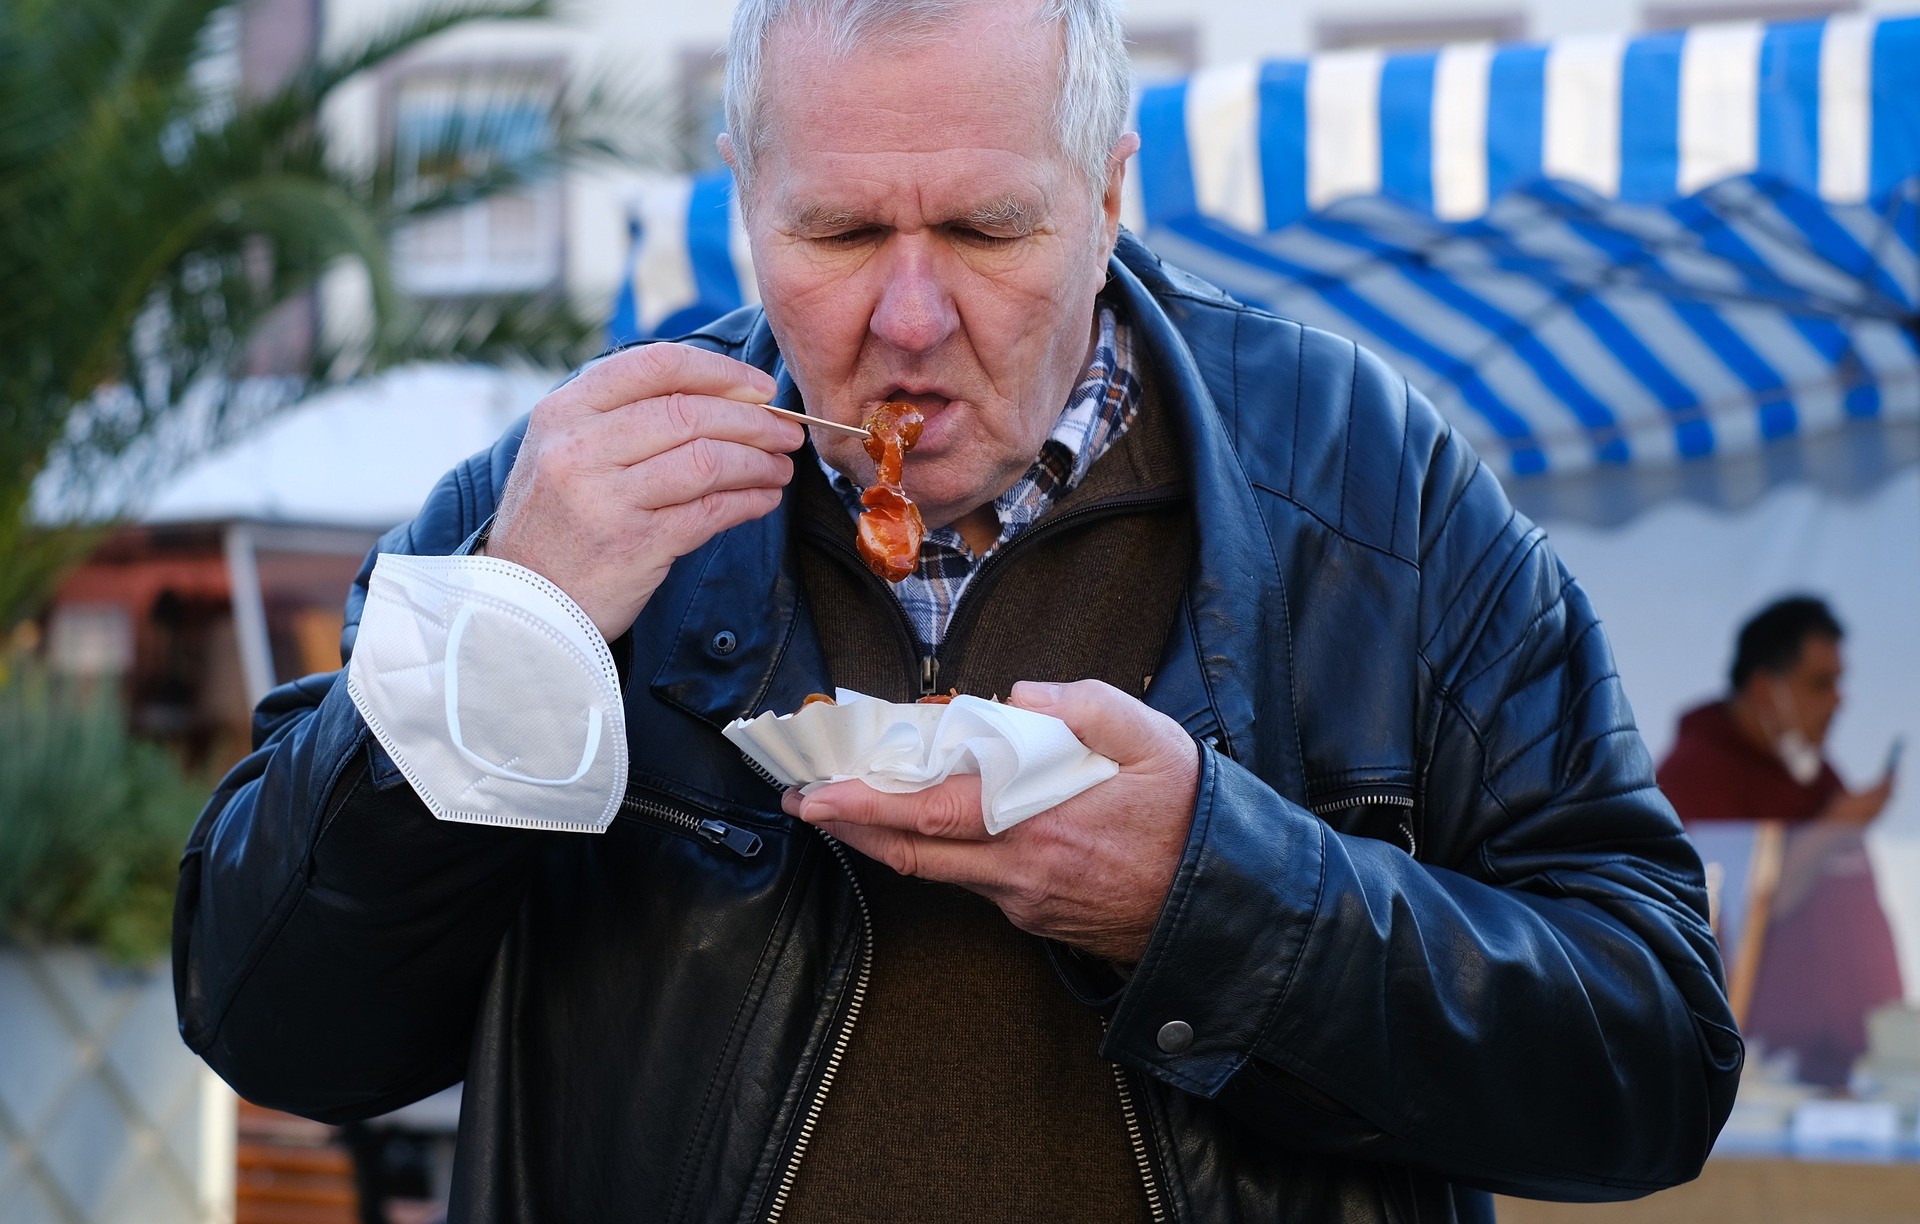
(796, 271)
(802, 297)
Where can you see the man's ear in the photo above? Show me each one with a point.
(1110, 198)
(730, 155)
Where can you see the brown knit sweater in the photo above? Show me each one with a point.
(972, 1088)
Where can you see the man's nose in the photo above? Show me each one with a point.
(916, 312)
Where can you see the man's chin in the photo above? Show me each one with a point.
(938, 512)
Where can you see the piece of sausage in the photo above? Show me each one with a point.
(890, 528)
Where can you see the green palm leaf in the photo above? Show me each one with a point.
(151, 226)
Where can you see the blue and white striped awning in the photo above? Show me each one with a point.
(1609, 260)
(1832, 108)
(687, 258)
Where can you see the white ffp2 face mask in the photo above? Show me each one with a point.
(1800, 755)
(492, 691)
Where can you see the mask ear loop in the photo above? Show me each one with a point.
(1800, 755)
(1783, 707)
(454, 633)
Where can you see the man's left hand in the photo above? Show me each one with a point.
(1091, 872)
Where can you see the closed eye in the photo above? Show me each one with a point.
(966, 233)
(852, 237)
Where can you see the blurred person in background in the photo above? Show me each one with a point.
(1759, 754)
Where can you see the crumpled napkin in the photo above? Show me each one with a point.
(1027, 761)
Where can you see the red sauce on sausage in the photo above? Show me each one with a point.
(890, 528)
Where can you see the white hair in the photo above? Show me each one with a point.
(1090, 113)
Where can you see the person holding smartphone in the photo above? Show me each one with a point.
(1759, 754)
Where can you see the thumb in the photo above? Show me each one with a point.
(1101, 717)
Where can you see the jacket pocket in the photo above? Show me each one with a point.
(690, 820)
(1382, 808)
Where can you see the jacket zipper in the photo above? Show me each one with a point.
(1400, 801)
(760, 771)
(812, 1116)
(1137, 1137)
(1137, 1140)
(714, 832)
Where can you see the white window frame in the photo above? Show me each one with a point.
(1174, 44)
(1418, 31)
(1670, 16)
(477, 270)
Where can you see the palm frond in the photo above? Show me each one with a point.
(151, 225)
(542, 330)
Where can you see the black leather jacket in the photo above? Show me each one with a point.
(1434, 930)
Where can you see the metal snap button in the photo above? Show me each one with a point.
(724, 642)
(1175, 1036)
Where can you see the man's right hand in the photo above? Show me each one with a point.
(640, 460)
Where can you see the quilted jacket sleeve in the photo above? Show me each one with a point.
(1535, 1005)
(330, 936)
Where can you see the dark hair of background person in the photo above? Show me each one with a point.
(1771, 641)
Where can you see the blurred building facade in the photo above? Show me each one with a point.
(572, 235)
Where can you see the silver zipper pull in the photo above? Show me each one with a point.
(929, 675)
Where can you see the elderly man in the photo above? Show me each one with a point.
(1382, 909)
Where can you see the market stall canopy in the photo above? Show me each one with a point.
(361, 456)
(1684, 263)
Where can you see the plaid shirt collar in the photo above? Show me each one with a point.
(1097, 413)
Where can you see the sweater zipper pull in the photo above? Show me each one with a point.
(929, 675)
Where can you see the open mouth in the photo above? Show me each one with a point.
(932, 406)
(928, 402)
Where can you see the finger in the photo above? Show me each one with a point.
(950, 810)
(650, 370)
(1101, 717)
(634, 433)
(694, 523)
(969, 864)
(691, 471)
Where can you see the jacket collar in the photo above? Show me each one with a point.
(1231, 674)
(1226, 670)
